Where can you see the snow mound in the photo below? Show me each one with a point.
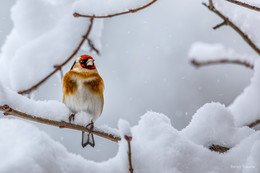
(156, 147)
(213, 124)
(24, 148)
(124, 128)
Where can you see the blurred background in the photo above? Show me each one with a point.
(144, 63)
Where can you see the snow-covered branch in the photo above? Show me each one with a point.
(218, 148)
(116, 14)
(62, 124)
(228, 22)
(254, 124)
(97, 131)
(201, 54)
(243, 4)
(221, 61)
(58, 67)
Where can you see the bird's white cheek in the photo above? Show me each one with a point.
(90, 63)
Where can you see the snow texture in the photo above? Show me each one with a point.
(213, 124)
(156, 147)
(246, 107)
(203, 52)
(106, 129)
(124, 128)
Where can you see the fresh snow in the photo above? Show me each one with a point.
(213, 123)
(124, 128)
(156, 147)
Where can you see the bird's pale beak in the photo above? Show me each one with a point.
(90, 62)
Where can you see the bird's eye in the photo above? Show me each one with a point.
(83, 61)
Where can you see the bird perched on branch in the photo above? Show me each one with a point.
(83, 91)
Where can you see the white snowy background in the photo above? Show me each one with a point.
(144, 63)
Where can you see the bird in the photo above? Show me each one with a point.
(83, 89)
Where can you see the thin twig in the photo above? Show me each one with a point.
(58, 67)
(254, 124)
(219, 25)
(236, 28)
(116, 14)
(221, 61)
(129, 139)
(211, 4)
(92, 46)
(218, 148)
(62, 124)
(252, 7)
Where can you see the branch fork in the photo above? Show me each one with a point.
(6, 110)
(243, 4)
(58, 67)
(232, 25)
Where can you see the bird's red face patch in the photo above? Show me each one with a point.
(84, 62)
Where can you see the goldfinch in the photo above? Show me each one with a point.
(83, 91)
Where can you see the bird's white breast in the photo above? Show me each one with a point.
(84, 100)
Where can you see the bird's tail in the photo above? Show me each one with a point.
(87, 139)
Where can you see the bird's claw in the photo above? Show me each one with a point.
(90, 138)
(71, 117)
(91, 126)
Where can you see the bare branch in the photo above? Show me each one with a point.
(244, 5)
(211, 4)
(116, 14)
(254, 124)
(62, 124)
(219, 25)
(221, 61)
(218, 148)
(58, 67)
(236, 28)
(129, 139)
